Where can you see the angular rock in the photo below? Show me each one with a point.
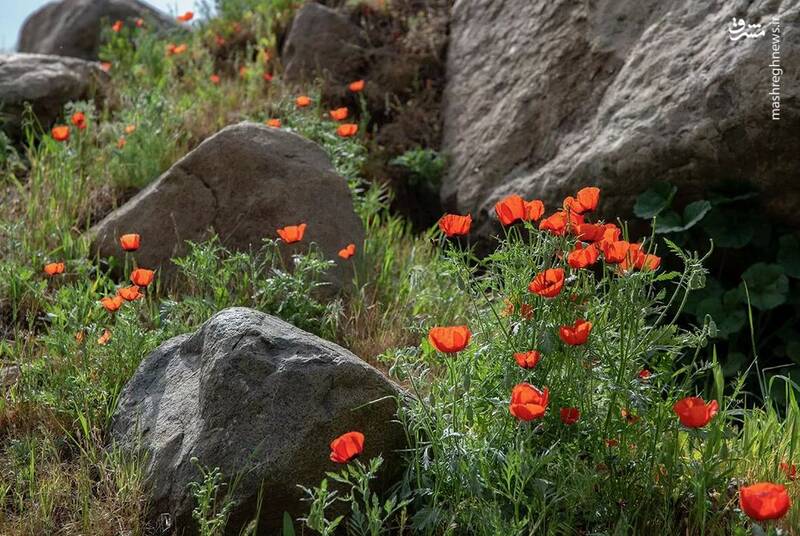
(47, 83)
(74, 27)
(242, 183)
(323, 42)
(545, 97)
(256, 397)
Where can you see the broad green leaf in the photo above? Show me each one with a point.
(767, 284)
(728, 228)
(694, 212)
(652, 201)
(789, 255)
(668, 222)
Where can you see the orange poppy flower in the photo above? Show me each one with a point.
(339, 113)
(455, 225)
(139, 23)
(510, 209)
(117, 26)
(576, 334)
(302, 101)
(356, 86)
(583, 256)
(105, 66)
(585, 201)
(292, 233)
(629, 417)
(104, 338)
(112, 304)
(639, 259)
(533, 210)
(54, 268)
(129, 293)
(274, 123)
(215, 79)
(693, 412)
(60, 133)
(591, 232)
(764, 501)
(348, 251)
(180, 49)
(527, 360)
(615, 252)
(347, 130)
(528, 402)
(130, 242)
(559, 223)
(121, 142)
(347, 446)
(549, 283)
(789, 469)
(449, 339)
(569, 416)
(79, 120)
(80, 336)
(186, 17)
(243, 71)
(142, 277)
(130, 129)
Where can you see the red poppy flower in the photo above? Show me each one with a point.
(54, 268)
(79, 120)
(533, 210)
(570, 416)
(611, 443)
(645, 374)
(528, 402)
(347, 130)
(582, 256)
(121, 142)
(142, 277)
(764, 501)
(130, 242)
(105, 66)
(527, 360)
(591, 232)
(789, 469)
(267, 77)
(60, 133)
(117, 26)
(449, 339)
(186, 17)
(348, 251)
(526, 311)
(219, 40)
(356, 86)
(104, 338)
(559, 223)
(139, 23)
(639, 259)
(215, 79)
(274, 123)
(347, 446)
(584, 201)
(510, 209)
(112, 304)
(243, 71)
(549, 283)
(292, 233)
(339, 113)
(576, 334)
(455, 225)
(302, 101)
(693, 411)
(129, 293)
(615, 252)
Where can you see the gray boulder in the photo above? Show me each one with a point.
(545, 97)
(73, 27)
(47, 83)
(323, 42)
(242, 183)
(260, 399)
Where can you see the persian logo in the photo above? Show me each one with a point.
(739, 29)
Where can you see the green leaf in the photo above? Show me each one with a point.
(651, 202)
(767, 284)
(694, 212)
(789, 255)
(728, 228)
(668, 222)
(288, 525)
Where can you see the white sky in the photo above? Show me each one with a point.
(14, 12)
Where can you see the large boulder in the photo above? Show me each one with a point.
(323, 42)
(73, 27)
(47, 83)
(545, 97)
(261, 400)
(242, 183)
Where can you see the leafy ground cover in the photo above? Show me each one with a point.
(552, 389)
